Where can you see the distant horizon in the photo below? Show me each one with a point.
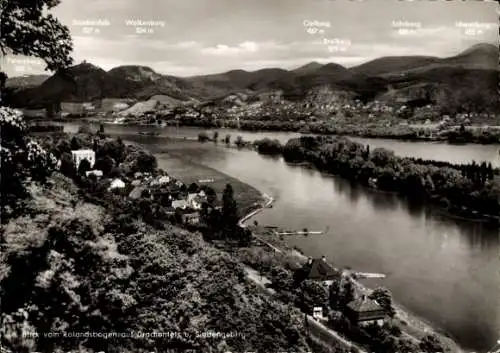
(262, 68)
(196, 37)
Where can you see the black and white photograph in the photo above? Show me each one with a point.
(250, 176)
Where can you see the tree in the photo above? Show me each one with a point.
(430, 344)
(105, 164)
(83, 167)
(75, 144)
(268, 146)
(211, 195)
(312, 294)
(3, 81)
(341, 293)
(116, 172)
(67, 165)
(84, 129)
(229, 208)
(20, 158)
(114, 149)
(382, 156)
(239, 141)
(27, 29)
(193, 187)
(146, 162)
(203, 137)
(384, 298)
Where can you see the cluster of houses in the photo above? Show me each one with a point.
(361, 311)
(324, 103)
(276, 106)
(172, 193)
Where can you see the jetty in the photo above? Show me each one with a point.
(305, 232)
(206, 181)
(149, 133)
(369, 275)
(301, 233)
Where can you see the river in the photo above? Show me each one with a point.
(444, 270)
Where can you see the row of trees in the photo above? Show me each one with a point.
(358, 128)
(470, 186)
(268, 146)
(203, 137)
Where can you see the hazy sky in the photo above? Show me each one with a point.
(210, 36)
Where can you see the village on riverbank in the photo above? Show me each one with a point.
(345, 117)
(134, 241)
(336, 306)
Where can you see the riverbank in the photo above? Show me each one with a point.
(176, 158)
(470, 190)
(139, 262)
(399, 229)
(474, 134)
(412, 325)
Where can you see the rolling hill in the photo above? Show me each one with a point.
(472, 75)
(26, 81)
(479, 56)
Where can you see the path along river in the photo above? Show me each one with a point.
(446, 271)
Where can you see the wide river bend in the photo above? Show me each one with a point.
(447, 271)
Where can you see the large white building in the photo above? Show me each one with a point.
(80, 155)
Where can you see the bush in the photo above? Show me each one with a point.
(21, 158)
(268, 146)
(145, 162)
(431, 344)
(203, 137)
(105, 164)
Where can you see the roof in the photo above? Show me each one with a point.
(179, 203)
(199, 199)
(321, 270)
(82, 151)
(95, 172)
(364, 304)
(117, 183)
(164, 179)
(136, 193)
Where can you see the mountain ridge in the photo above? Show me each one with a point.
(86, 82)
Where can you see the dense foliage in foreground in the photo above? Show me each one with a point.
(468, 188)
(88, 273)
(68, 264)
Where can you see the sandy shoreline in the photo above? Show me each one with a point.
(268, 202)
(417, 323)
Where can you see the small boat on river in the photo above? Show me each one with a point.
(149, 133)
